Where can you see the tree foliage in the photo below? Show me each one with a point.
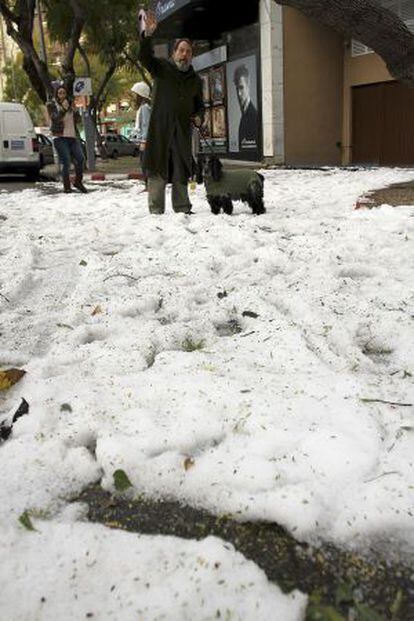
(18, 88)
(104, 27)
(106, 35)
(19, 18)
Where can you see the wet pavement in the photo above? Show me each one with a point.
(16, 183)
(338, 579)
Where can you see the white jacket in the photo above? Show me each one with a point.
(142, 121)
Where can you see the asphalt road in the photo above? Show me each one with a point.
(15, 183)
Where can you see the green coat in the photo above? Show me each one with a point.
(233, 183)
(177, 96)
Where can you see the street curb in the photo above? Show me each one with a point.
(364, 202)
(96, 176)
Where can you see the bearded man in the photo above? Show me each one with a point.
(177, 103)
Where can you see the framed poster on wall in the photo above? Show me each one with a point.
(205, 79)
(218, 122)
(215, 117)
(217, 86)
(206, 127)
(242, 105)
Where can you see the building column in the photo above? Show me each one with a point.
(347, 112)
(271, 44)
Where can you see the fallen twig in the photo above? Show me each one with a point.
(384, 474)
(247, 333)
(403, 405)
(4, 298)
(116, 275)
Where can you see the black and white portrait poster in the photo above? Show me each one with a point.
(242, 102)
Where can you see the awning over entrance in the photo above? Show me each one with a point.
(202, 19)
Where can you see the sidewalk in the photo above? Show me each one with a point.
(128, 168)
(122, 168)
(397, 194)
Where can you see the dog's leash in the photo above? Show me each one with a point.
(204, 139)
(209, 147)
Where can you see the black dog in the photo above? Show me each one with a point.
(224, 186)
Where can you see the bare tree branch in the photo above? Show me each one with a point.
(108, 75)
(7, 14)
(78, 23)
(137, 65)
(85, 59)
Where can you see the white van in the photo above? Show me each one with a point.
(19, 147)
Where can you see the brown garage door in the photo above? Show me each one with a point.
(383, 124)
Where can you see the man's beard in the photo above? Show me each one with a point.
(182, 65)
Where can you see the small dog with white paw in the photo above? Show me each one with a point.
(224, 186)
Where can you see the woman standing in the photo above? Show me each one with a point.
(63, 119)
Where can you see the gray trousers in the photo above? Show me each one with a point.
(156, 195)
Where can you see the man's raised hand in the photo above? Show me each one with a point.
(151, 23)
(147, 23)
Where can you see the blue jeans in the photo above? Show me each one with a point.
(69, 149)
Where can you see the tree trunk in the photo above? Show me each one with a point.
(368, 22)
(19, 26)
(78, 23)
(85, 59)
(37, 83)
(96, 104)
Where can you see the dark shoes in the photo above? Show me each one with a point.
(79, 186)
(186, 209)
(76, 184)
(66, 185)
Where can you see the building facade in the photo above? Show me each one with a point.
(378, 119)
(351, 110)
(313, 98)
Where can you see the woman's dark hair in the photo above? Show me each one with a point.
(58, 87)
(178, 41)
(241, 72)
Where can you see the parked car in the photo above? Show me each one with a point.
(83, 147)
(45, 150)
(19, 146)
(133, 137)
(117, 145)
